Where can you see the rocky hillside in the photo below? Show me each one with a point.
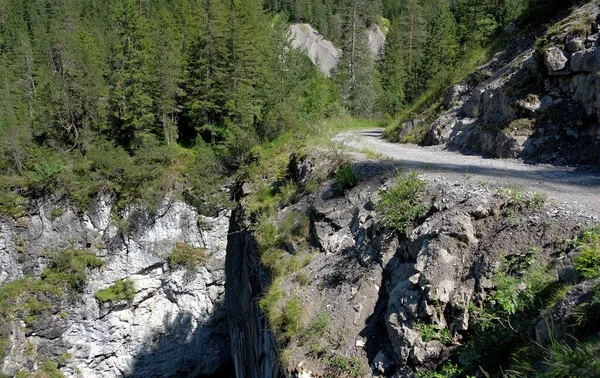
(536, 100)
(96, 295)
(377, 276)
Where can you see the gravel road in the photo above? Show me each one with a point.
(574, 189)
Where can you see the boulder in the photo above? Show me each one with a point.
(555, 60)
(586, 61)
(575, 44)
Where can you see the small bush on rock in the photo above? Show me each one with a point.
(588, 262)
(120, 290)
(184, 255)
(400, 205)
(345, 177)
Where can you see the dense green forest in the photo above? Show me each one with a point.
(430, 43)
(142, 98)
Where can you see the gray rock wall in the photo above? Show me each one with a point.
(539, 105)
(176, 321)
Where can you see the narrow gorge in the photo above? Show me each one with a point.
(210, 189)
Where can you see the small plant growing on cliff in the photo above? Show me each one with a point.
(185, 255)
(345, 177)
(120, 290)
(340, 366)
(400, 205)
(431, 332)
(588, 262)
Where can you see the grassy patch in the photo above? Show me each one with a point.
(431, 332)
(345, 177)
(187, 256)
(48, 369)
(56, 212)
(400, 206)
(121, 290)
(317, 327)
(588, 262)
(341, 366)
(288, 321)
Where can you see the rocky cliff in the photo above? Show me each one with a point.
(172, 323)
(352, 297)
(536, 100)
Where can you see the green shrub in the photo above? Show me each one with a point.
(56, 212)
(317, 327)
(302, 278)
(400, 205)
(288, 321)
(507, 293)
(185, 255)
(431, 332)
(345, 177)
(122, 289)
(70, 267)
(588, 262)
(340, 366)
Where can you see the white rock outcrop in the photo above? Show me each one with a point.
(174, 325)
(320, 50)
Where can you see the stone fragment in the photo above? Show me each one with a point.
(555, 59)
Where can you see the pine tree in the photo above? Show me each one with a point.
(393, 70)
(168, 62)
(130, 100)
(355, 72)
(208, 71)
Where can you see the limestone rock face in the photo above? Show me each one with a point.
(319, 50)
(322, 51)
(175, 324)
(376, 40)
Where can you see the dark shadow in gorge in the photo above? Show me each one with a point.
(177, 351)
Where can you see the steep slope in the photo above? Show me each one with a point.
(537, 100)
(353, 296)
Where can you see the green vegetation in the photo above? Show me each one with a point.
(433, 332)
(56, 212)
(447, 371)
(316, 328)
(302, 278)
(287, 323)
(523, 290)
(144, 99)
(401, 205)
(563, 360)
(340, 366)
(27, 298)
(345, 177)
(588, 262)
(187, 256)
(48, 369)
(122, 289)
